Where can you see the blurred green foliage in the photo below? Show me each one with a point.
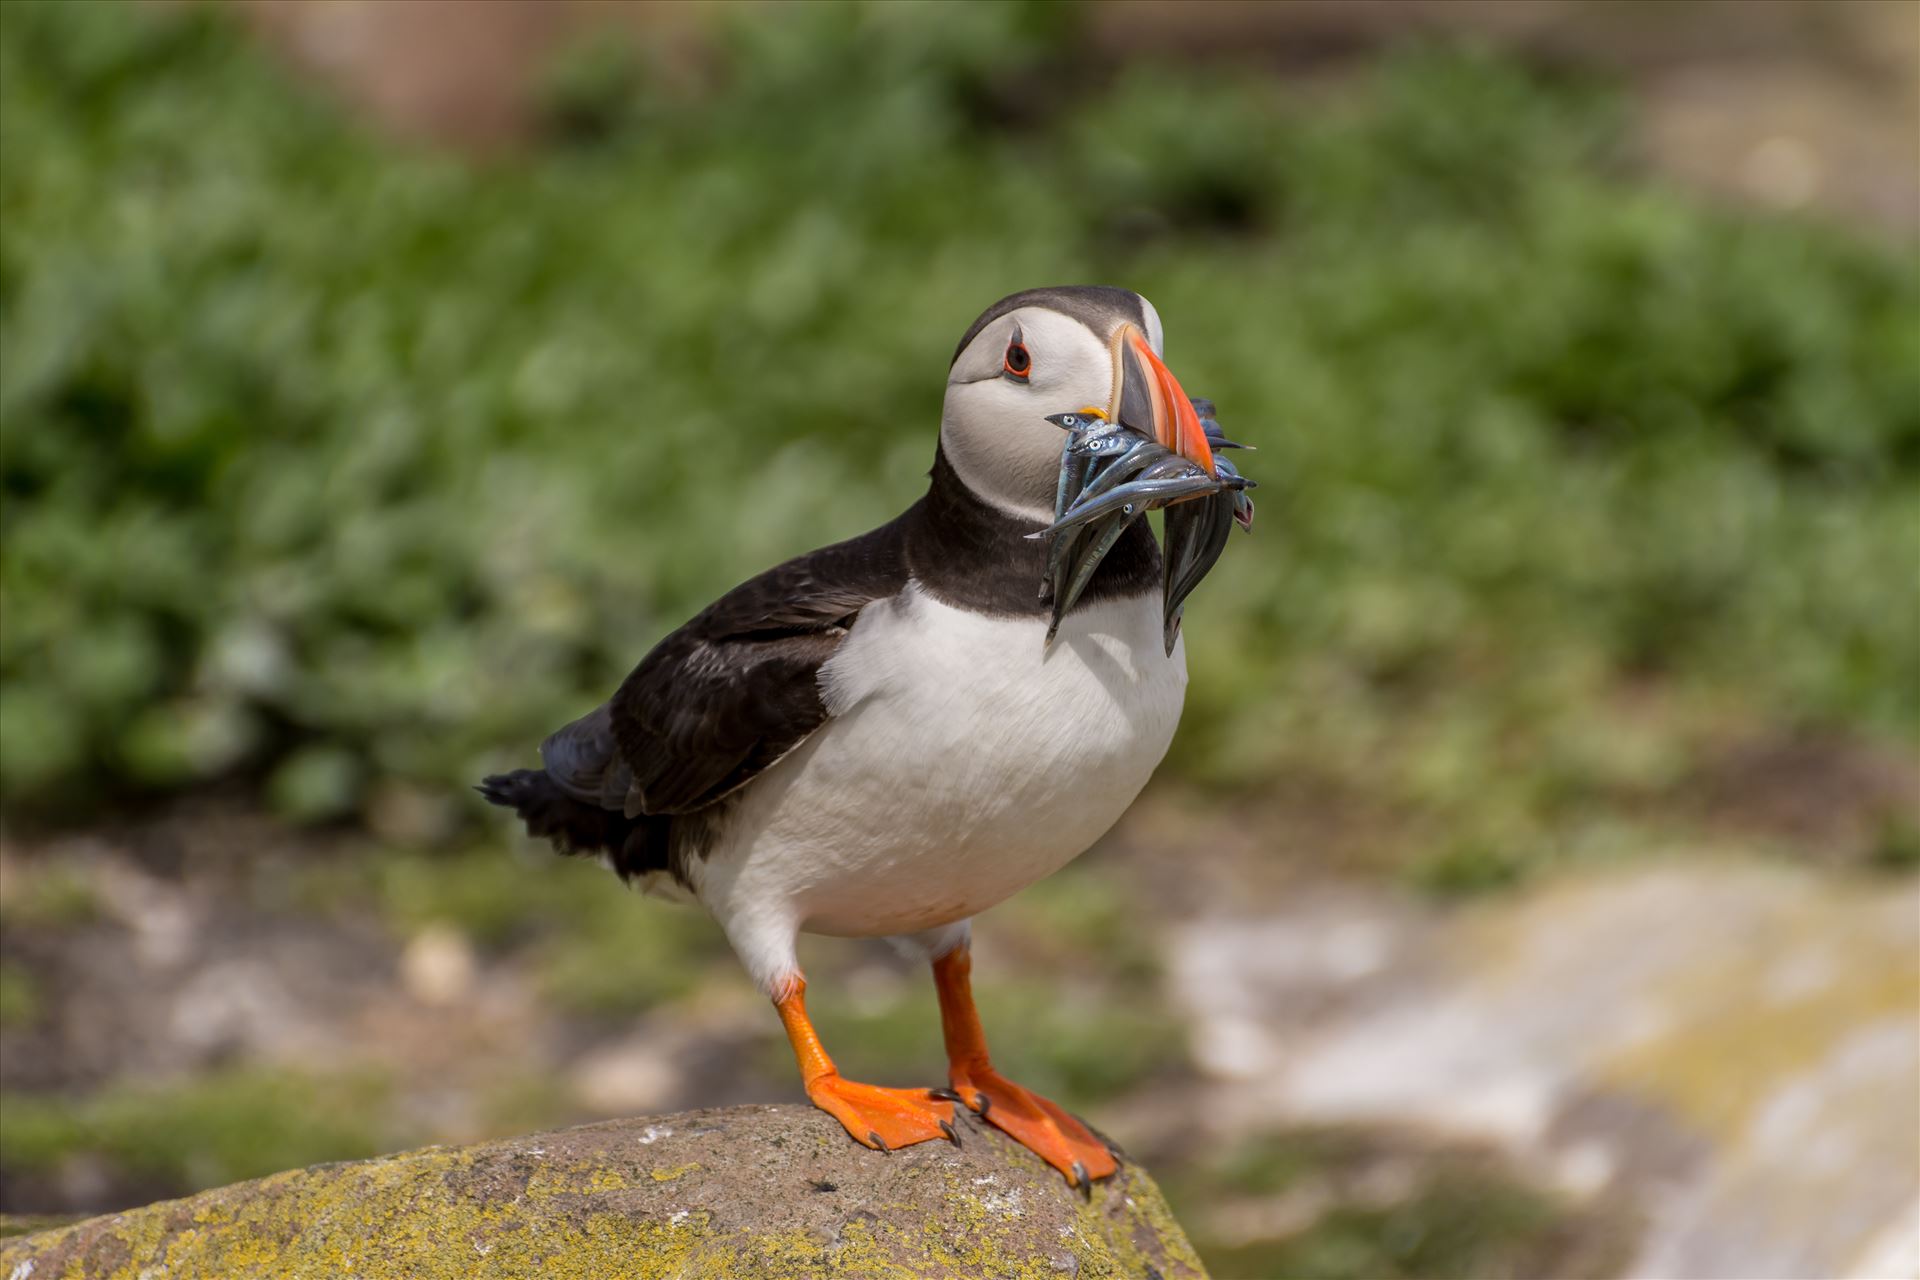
(1373, 1215)
(594, 949)
(58, 896)
(200, 1132)
(1456, 1228)
(329, 459)
(19, 996)
(1898, 848)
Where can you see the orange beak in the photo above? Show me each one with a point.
(1147, 397)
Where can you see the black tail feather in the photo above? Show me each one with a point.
(572, 825)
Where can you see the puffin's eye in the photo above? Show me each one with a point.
(1018, 363)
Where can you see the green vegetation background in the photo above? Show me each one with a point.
(334, 460)
(338, 470)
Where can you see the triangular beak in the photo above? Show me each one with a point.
(1147, 397)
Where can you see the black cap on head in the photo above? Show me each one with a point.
(1098, 306)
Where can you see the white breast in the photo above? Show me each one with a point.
(964, 761)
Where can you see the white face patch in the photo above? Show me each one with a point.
(994, 427)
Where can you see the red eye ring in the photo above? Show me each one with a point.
(1017, 364)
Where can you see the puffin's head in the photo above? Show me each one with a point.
(1045, 351)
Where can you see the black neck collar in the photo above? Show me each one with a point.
(972, 555)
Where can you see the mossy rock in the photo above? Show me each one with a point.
(739, 1194)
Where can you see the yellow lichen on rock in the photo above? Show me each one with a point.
(668, 1175)
(706, 1195)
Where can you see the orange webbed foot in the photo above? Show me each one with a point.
(879, 1118)
(1041, 1126)
(883, 1118)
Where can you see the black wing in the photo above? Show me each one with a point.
(729, 693)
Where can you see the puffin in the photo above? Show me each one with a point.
(882, 738)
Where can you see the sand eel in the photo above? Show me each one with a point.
(875, 738)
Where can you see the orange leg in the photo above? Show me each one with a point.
(877, 1117)
(1035, 1123)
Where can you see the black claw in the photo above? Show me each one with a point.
(1080, 1180)
(877, 1140)
(946, 1094)
(953, 1135)
(983, 1104)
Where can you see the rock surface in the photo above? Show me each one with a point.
(1729, 1047)
(740, 1193)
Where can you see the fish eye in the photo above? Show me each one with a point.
(1018, 364)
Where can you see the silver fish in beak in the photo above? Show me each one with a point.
(1155, 449)
(1196, 534)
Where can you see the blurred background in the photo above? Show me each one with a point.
(1531, 890)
